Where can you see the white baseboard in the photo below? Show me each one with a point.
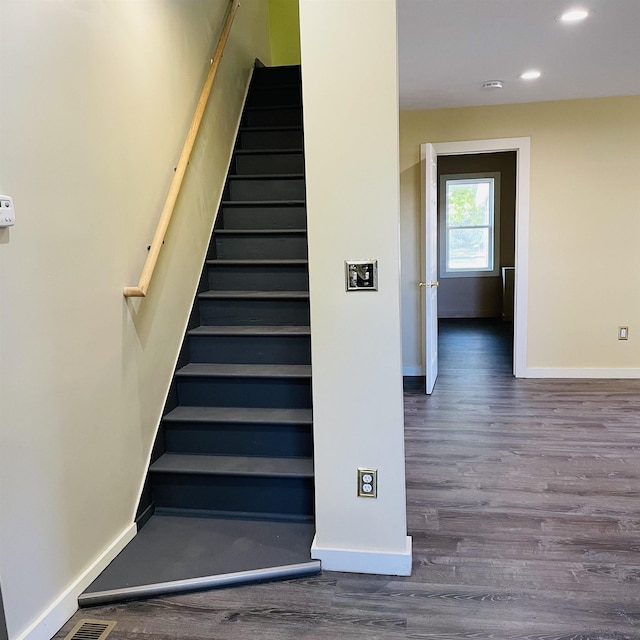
(359, 561)
(412, 370)
(49, 622)
(593, 373)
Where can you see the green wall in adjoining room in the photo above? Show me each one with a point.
(284, 29)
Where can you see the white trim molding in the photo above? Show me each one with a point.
(588, 373)
(385, 563)
(49, 622)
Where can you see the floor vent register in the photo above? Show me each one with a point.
(91, 630)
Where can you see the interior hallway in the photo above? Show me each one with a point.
(524, 507)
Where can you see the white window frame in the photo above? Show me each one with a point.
(494, 238)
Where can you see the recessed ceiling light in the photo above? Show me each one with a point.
(532, 74)
(573, 15)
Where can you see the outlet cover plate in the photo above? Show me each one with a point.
(367, 482)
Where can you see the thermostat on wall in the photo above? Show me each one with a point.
(362, 275)
(7, 215)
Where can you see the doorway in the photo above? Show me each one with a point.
(521, 148)
(476, 242)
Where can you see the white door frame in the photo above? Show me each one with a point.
(522, 146)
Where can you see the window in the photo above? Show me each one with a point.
(469, 217)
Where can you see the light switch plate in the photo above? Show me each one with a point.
(7, 214)
(361, 275)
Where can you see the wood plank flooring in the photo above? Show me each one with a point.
(524, 507)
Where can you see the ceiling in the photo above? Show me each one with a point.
(448, 48)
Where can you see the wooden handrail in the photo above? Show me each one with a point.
(140, 291)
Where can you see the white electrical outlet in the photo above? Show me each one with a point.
(7, 214)
(367, 483)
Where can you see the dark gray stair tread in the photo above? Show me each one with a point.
(261, 232)
(253, 152)
(267, 84)
(275, 86)
(277, 330)
(267, 176)
(257, 203)
(198, 547)
(260, 152)
(258, 263)
(271, 73)
(240, 415)
(233, 465)
(256, 295)
(197, 369)
(270, 107)
(268, 127)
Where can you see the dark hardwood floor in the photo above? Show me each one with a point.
(524, 507)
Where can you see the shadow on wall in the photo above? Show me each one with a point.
(3, 625)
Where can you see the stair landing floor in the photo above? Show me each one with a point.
(181, 553)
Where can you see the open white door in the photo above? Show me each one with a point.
(429, 284)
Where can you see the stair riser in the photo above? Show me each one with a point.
(268, 76)
(269, 163)
(258, 278)
(259, 495)
(269, 189)
(273, 118)
(275, 96)
(254, 312)
(271, 140)
(250, 349)
(261, 247)
(267, 217)
(239, 440)
(245, 392)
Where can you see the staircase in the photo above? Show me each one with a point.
(229, 493)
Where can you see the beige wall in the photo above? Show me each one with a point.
(96, 101)
(584, 265)
(351, 151)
